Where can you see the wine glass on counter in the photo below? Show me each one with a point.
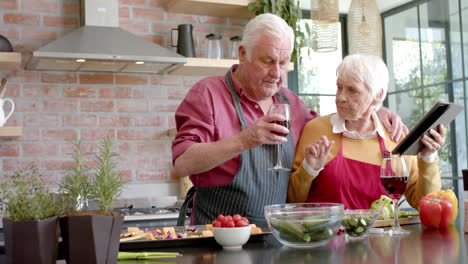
(284, 110)
(394, 178)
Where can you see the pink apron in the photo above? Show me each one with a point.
(355, 184)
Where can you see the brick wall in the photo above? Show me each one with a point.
(136, 110)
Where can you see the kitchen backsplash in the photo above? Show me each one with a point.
(137, 110)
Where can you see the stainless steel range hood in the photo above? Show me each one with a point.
(100, 45)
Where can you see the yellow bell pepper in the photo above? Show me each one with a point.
(451, 195)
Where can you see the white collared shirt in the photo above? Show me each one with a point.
(339, 126)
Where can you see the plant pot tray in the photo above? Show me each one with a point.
(182, 242)
(403, 221)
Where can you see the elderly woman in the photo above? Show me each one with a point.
(338, 156)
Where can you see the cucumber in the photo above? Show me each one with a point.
(356, 225)
(321, 235)
(294, 230)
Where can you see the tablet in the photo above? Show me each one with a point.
(441, 113)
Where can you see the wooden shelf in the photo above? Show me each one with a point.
(208, 67)
(10, 132)
(218, 8)
(204, 66)
(10, 61)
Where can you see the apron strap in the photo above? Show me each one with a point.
(188, 203)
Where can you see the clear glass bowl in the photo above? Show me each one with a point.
(304, 225)
(357, 223)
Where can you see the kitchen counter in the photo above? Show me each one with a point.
(423, 245)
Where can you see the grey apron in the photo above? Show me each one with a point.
(253, 187)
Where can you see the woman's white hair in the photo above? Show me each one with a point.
(368, 69)
(265, 24)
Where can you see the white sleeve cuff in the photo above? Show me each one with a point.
(428, 158)
(310, 170)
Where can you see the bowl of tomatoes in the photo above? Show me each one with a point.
(231, 232)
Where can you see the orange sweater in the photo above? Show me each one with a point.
(424, 176)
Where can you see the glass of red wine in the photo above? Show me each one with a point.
(394, 178)
(284, 110)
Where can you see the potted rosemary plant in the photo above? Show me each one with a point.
(30, 212)
(93, 236)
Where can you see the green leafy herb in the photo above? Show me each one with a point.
(24, 196)
(107, 184)
(76, 183)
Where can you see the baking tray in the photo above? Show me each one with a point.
(182, 242)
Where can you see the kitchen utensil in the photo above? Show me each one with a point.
(4, 118)
(234, 47)
(5, 45)
(184, 45)
(3, 87)
(214, 48)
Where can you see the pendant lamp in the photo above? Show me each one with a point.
(364, 28)
(325, 25)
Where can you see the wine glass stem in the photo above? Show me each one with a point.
(396, 214)
(278, 155)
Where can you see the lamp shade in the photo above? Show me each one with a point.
(325, 25)
(364, 28)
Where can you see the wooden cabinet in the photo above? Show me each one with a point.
(10, 61)
(6, 132)
(218, 8)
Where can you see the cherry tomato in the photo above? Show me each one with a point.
(220, 217)
(230, 224)
(236, 217)
(241, 223)
(216, 223)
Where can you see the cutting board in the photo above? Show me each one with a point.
(403, 221)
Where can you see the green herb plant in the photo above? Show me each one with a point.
(24, 197)
(107, 184)
(288, 10)
(76, 183)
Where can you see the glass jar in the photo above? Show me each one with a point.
(234, 47)
(214, 48)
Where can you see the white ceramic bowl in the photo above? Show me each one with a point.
(232, 237)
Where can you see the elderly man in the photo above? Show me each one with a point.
(225, 139)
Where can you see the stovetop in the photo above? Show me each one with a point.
(130, 210)
(132, 213)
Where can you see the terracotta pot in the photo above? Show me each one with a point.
(32, 241)
(91, 239)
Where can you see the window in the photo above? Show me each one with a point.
(426, 46)
(316, 79)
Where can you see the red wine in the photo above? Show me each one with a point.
(283, 123)
(394, 185)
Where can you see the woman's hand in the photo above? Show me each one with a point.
(434, 142)
(317, 152)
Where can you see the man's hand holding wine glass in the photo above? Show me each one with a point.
(263, 132)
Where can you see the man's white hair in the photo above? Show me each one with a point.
(265, 24)
(368, 69)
